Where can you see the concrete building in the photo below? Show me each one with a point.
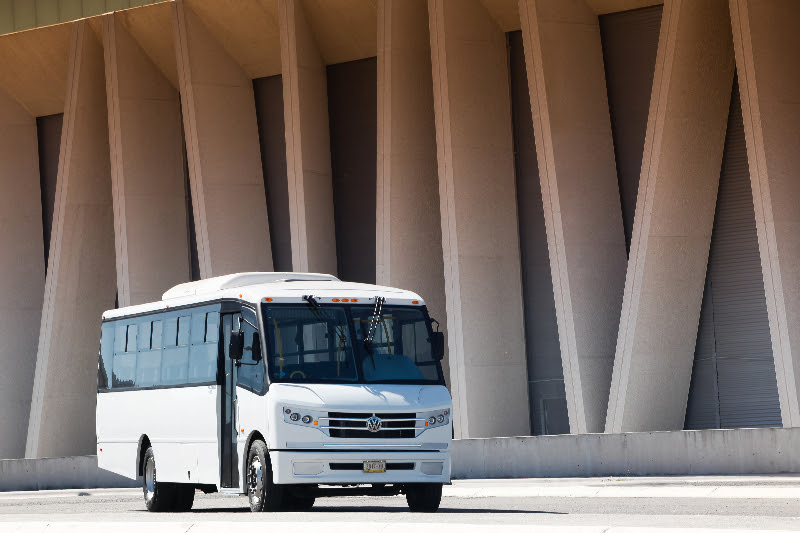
(599, 199)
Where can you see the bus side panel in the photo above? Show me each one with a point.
(181, 424)
(251, 416)
(117, 442)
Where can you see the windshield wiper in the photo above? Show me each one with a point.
(377, 314)
(323, 316)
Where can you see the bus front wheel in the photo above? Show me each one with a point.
(423, 497)
(262, 493)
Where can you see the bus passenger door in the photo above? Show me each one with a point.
(229, 460)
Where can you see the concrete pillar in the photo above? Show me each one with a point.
(767, 47)
(22, 267)
(308, 146)
(408, 229)
(479, 220)
(580, 196)
(674, 218)
(80, 276)
(221, 130)
(147, 171)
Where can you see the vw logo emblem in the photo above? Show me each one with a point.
(374, 424)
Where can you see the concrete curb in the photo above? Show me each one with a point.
(79, 472)
(671, 453)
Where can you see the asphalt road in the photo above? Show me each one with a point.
(607, 504)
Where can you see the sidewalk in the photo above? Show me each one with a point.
(759, 487)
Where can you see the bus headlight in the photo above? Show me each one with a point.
(440, 418)
(294, 417)
(306, 419)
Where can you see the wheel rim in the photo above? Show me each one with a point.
(255, 482)
(150, 480)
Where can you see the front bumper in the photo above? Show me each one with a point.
(335, 468)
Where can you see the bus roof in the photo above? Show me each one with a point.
(279, 287)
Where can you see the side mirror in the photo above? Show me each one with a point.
(437, 345)
(256, 353)
(236, 345)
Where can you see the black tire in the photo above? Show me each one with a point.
(182, 497)
(158, 497)
(299, 503)
(262, 493)
(424, 497)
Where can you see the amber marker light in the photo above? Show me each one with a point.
(267, 299)
(345, 300)
(316, 422)
(354, 300)
(335, 300)
(415, 302)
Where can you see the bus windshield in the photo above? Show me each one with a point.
(325, 344)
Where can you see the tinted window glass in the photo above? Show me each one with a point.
(174, 366)
(145, 328)
(308, 344)
(212, 327)
(198, 335)
(148, 369)
(251, 371)
(183, 331)
(124, 370)
(106, 355)
(120, 337)
(156, 342)
(171, 332)
(400, 347)
(131, 344)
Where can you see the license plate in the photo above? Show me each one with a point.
(374, 467)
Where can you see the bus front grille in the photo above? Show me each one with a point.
(355, 425)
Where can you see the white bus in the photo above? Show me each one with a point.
(280, 386)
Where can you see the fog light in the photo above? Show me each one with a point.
(294, 417)
(306, 419)
(440, 419)
(432, 420)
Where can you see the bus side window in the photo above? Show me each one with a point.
(204, 349)
(106, 356)
(251, 372)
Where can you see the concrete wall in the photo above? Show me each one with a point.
(22, 265)
(767, 45)
(580, 196)
(147, 170)
(221, 129)
(352, 110)
(308, 156)
(479, 220)
(678, 453)
(674, 218)
(80, 282)
(408, 229)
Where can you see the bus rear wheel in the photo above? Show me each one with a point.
(182, 497)
(423, 497)
(262, 493)
(157, 496)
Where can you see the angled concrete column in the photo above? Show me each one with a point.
(674, 217)
(221, 129)
(479, 220)
(580, 195)
(409, 232)
(22, 267)
(767, 45)
(80, 275)
(308, 146)
(147, 171)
